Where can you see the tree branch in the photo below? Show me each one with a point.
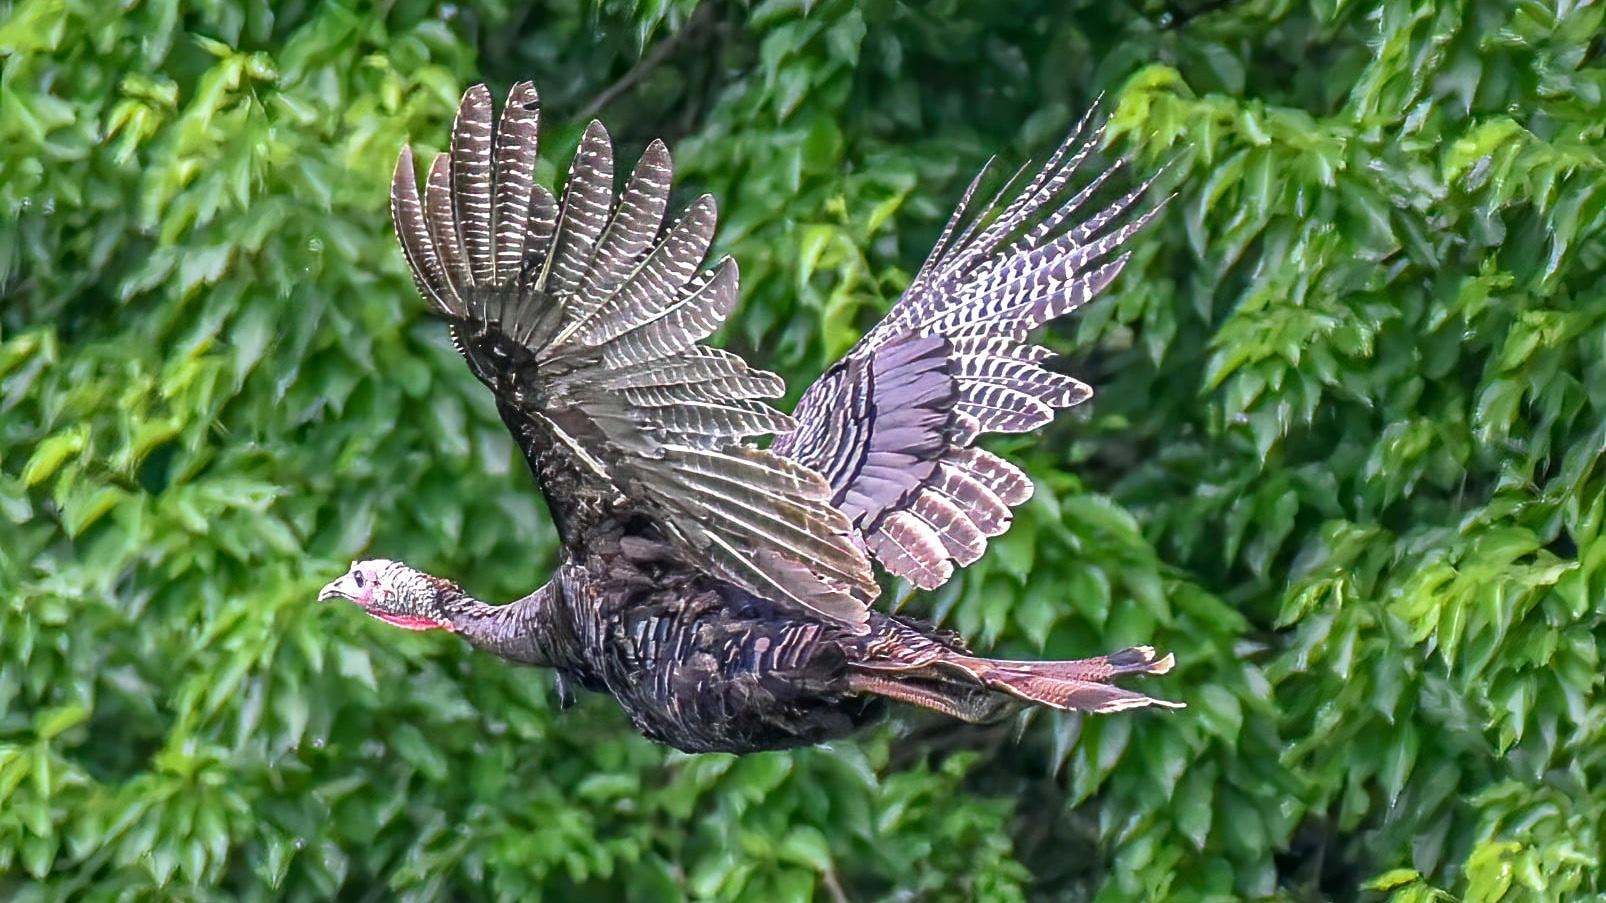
(654, 58)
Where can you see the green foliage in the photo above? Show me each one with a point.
(1343, 461)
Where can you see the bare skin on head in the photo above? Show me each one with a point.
(722, 592)
(394, 593)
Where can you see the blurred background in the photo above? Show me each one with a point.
(1344, 460)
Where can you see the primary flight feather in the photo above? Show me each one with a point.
(720, 591)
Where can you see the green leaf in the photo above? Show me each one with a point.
(50, 723)
(806, 846)
(353, 662)
(52, 453)
(1392, 879)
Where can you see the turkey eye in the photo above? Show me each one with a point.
(358, 577)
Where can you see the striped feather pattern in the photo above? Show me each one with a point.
(587, 196)
(541, 225)
(471, 182)
(584, 317)
(443, 232)
(700, 369)
(652, 285)
(515, 180)
(407, 210)
(630, 232)
(893, 425)
(674, 327)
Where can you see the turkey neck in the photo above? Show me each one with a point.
(519, 631)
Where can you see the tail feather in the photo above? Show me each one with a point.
(1074, 695)
(1080, 685)
(1132, 660)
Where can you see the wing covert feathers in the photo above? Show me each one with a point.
(584, 315)
(892, 425)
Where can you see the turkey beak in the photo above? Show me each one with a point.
(335, 589)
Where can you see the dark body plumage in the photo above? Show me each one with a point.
(719, 591)
(698, 663)
(703, 665)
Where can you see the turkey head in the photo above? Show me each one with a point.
(394, 593)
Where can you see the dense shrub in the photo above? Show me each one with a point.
(1343, 461)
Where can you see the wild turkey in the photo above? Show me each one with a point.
(720, 591)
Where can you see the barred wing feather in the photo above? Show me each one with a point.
(893, 425)
(584, 316)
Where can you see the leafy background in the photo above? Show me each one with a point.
(1344, 460)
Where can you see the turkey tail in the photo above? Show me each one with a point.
(1080, 685)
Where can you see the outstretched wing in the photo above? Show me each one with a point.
(583, 316)
(893, 425)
